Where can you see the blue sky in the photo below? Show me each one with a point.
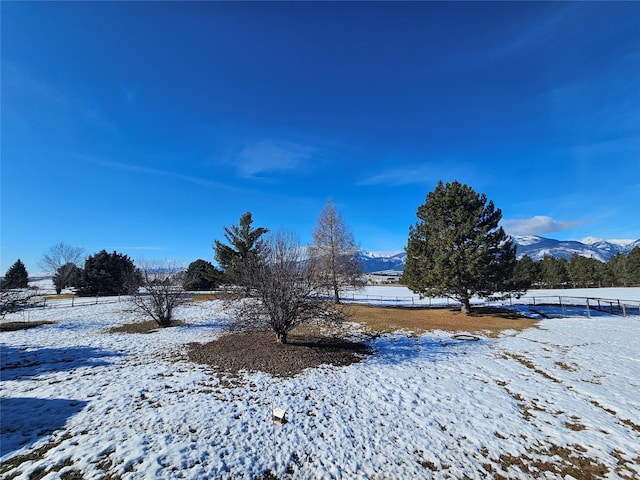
(147, 127)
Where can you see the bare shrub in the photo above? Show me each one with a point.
(283, 291)
(161, 292)
(14, 300)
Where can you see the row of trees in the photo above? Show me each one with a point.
(284, 283)
(455, 249)
(620, 271)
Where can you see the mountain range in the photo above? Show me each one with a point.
(535, 247)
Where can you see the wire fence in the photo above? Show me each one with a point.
(76, 302)
(557, 305)
(545, 305)
(567, 305)
(45, 299)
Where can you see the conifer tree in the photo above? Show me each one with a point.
(16, 276)
(109, 274)
(456, 248)
(554, 271)
(68, 275)
(201, 275)
(244, 244)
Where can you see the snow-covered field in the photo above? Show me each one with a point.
(547, 402)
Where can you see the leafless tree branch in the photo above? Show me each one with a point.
(161, 292)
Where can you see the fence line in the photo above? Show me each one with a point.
(48, 303)
(589, 304)
(567, 304)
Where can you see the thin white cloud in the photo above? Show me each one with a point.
(154, 171)
(396, 177)
(25, 84)
(141, 248)
(426, 173)
(538, 225)
(271, 156)
(524, 35)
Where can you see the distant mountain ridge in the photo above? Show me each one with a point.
(383, 262)
(539, 247)
(534, 246)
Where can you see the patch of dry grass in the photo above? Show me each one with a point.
(148, 326)
(62, 296)
(486, 321)
(14, 326)
(206, 297)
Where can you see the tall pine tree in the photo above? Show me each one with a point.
(16, 277)
(456, 248)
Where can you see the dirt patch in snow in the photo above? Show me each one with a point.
(483, 320)
(259, 351)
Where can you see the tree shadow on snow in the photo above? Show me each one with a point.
(26, 420)
(21, 363)
(394, 349)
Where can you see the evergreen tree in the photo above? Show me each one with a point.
(585, 272)
(68, 275)
(553, 272)
(633, 266)
(109, 274)
(335, 253)
(245, 244)
(525, 273)
(201, 275)
(16, 277)
(618, 268)
(456, 248)
(605, 275)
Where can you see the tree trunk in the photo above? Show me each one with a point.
(466, 306)
(282, 337)
(336, 293)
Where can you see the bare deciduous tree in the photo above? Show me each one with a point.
(161, 292)
(283, 289)
(335, 253)
(14, 300)
(60, 259)
(59, 255)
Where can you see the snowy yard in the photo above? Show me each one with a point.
(560, 399)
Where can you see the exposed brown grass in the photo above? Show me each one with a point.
(148, 326)
(14, 326)
(62, 296)
(486, 321)
(207, 297)
(573, 462)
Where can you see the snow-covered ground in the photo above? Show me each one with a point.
(401, 295)
(421, 407)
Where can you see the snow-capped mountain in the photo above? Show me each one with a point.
(533, 246)
(539, 247)
(383, 261)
